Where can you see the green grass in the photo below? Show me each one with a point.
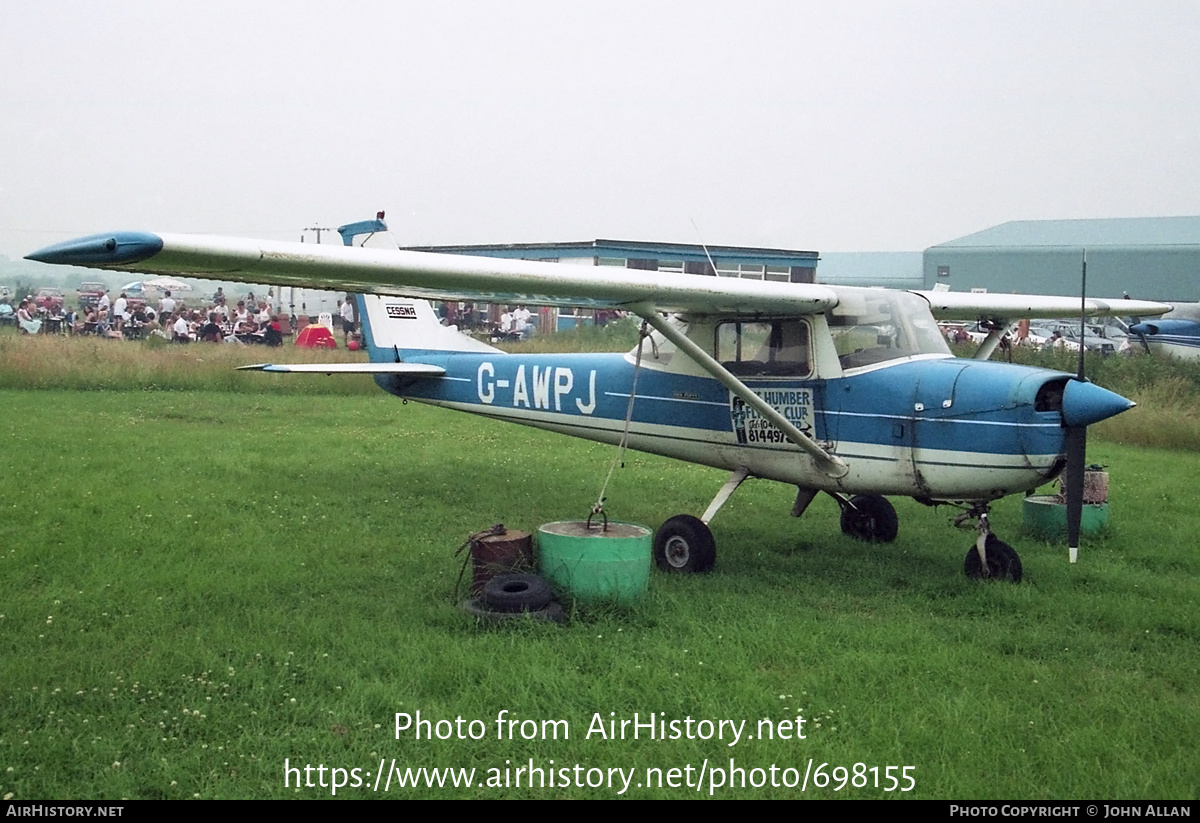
(200, 584)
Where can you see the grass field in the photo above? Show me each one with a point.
(201, 585)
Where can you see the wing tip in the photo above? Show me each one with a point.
(120, 248)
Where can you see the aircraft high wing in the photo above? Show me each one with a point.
(849, 391)
(485, 279)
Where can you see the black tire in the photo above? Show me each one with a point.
(516, 593)
(684, 545)
(1003, 561)
(475, 607)
(870, 517)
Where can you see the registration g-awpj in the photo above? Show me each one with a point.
(848, 391)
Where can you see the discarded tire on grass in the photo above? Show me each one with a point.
(516, 593)
(475, 607)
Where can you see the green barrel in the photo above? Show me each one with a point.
(596, 565)
(1045, 516)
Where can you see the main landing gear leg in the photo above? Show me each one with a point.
(990, 558)
(684, 543)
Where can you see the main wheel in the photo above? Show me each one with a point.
(684, 544)
(870, 517)
(1002, 561)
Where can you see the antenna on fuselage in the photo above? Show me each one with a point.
(706, 254)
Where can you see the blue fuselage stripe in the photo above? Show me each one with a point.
(980, 415)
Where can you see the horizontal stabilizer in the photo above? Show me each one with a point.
(410, 369)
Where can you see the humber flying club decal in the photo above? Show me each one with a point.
(536, 388)
(751, 427)
(401, 311)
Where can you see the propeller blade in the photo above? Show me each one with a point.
(1139, 328)
(1076, 437)
(1073, 486)
(1082, 313)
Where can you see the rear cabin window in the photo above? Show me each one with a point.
(769, 348)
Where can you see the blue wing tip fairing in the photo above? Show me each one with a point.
(113, 249)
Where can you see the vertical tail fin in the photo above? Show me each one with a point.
(399, 325)
(393, 326)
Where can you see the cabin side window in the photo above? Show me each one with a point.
(768, 348)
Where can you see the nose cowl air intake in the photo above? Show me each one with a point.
(1086, 403)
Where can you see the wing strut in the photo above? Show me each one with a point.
(989, 344)
(831, 464)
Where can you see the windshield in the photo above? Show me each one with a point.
(875, 325)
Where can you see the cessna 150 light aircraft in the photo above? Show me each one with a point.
(848, 391)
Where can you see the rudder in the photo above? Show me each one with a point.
(408, 325)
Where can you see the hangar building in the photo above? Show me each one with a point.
(890, 269)
(1150, 258)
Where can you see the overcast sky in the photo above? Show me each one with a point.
(847, 126)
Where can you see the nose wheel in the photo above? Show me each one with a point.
(990, 558)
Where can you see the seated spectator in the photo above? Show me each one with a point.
(102, 326)
(273, 336)
(210, 332)
(25, 319)
(180, 331)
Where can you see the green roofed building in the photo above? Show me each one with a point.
(1150, 258)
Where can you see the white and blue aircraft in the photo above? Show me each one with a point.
(1170, 337)
(848, 391)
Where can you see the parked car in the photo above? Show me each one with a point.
(49, 299)
(1042, 334)
(89, 294)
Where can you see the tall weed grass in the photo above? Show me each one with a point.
(616, 335)
(95, 364)
(1167, 393)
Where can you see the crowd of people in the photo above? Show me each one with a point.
(249, 321)
(512, 324)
